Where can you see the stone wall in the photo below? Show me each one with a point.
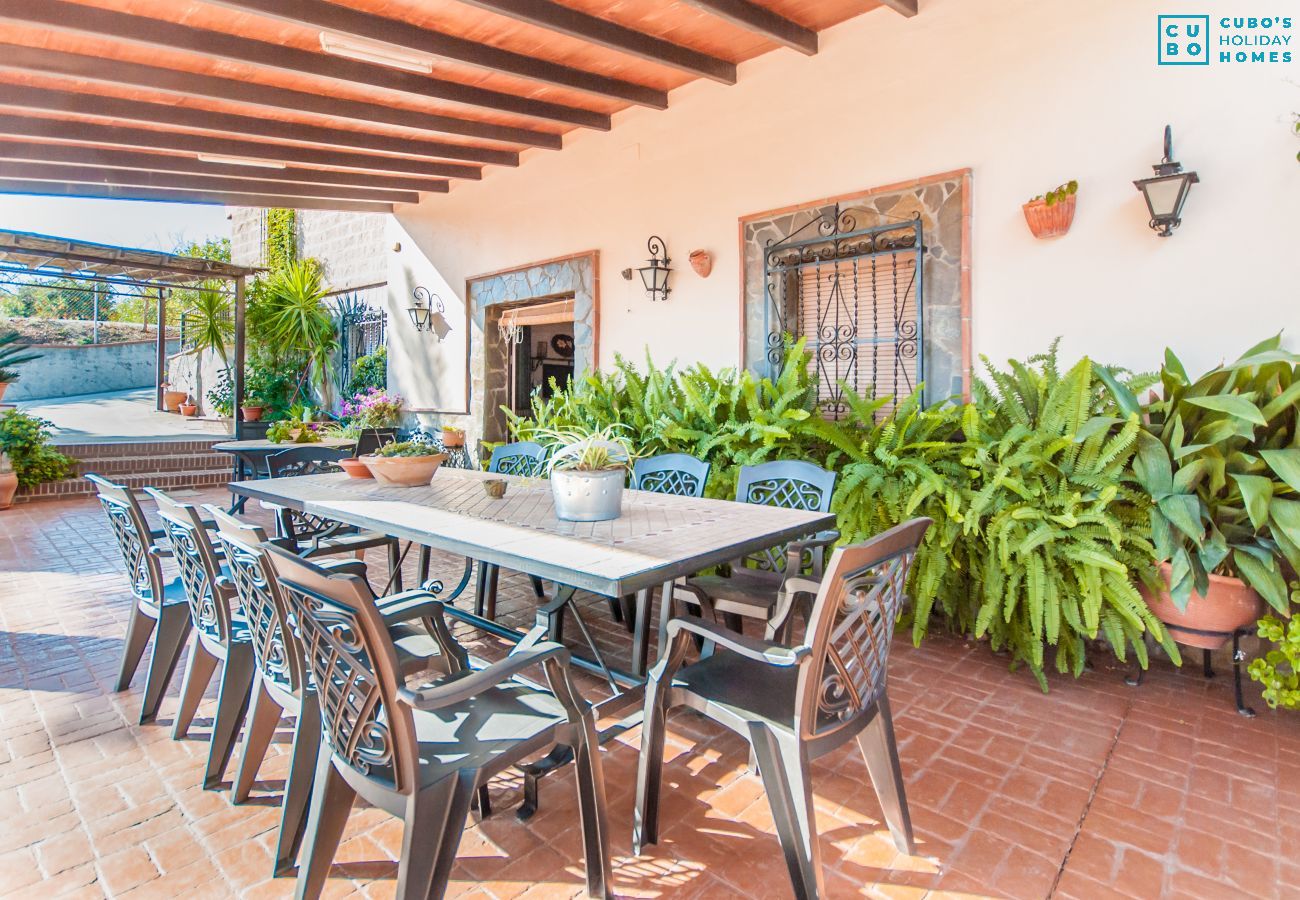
(66, 371)
(350, 246)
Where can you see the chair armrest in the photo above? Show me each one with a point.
(796, 551)
(761, 651)
(471, 685)
(344, 566)
(160, 552)
(408, 605)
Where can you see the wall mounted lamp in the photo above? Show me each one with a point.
(655, 275)
(427, 313)
(1166, 192)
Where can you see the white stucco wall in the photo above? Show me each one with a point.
(1028, 93)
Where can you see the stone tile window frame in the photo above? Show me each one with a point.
(944, 203)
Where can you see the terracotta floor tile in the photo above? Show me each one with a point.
(1001, 778)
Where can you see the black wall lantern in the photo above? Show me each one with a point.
(655, 275)
(1167, 191)
(427, 313)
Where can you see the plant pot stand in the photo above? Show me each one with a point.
(1136, 679)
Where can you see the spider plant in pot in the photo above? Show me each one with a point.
(1220, 457)
(588, 468)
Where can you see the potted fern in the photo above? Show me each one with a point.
(1051, 215)
(1218, 455)
(588, 468)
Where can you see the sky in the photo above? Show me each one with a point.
(125, 223)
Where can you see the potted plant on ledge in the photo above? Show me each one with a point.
(1218, 457)
(588, 468)
(375, 414)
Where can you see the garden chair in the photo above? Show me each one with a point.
(160, 608)
(750, 591)
(315, 536)
(280, 684)
(795, 705)
(421, 754)
(521, 458)
(679, 474)
(222, 635)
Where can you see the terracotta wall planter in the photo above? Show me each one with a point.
(1050, 221)
(8, 486)
(1230, 605)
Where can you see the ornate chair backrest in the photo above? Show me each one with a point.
(671, 473)
(789, 484)
(520, 458)
(850, 628)
(297, 461)
(197, 561)
(348, 653)
(126, 518)
(276, 649)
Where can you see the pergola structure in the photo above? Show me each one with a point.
(355, 104)
(39, 257)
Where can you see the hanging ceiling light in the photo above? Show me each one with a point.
(655, 275)
(1166, 192)
(427, 313)
(378, 52)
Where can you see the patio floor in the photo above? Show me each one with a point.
(1094, 790)
(118, 416)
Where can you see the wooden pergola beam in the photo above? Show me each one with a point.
(117, 192)
(170, 181)
(168, 115)
(761, 20)
(28, 151)
(333, 17)
(121, 136)
(595, 30)
(75, 18)
(902, 7)
(109, 71)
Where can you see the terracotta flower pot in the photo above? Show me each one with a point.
(8, 486)
(404, 471)
(1050, 221)
(1229, 605)
(172, 400)
(252, 413)
(356, 468)
(701, 262)
(4, 386)
(453, 438)
(189, 409)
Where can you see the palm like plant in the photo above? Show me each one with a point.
(210, 324)
(13, 352)
(291, 316)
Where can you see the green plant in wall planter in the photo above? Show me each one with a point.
(1051, 215)
(1220, 459)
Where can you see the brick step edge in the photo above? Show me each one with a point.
(140, 448)
(131, 466)
(80, 487)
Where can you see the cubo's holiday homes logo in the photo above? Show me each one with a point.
(1186, 40)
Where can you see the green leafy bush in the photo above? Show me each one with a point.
(405, 448)
(369, 372)
(26, 441)
(1279, 669)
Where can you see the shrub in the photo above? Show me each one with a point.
(1279, 669)
(373, 408)
(369, 371)
(26, 441)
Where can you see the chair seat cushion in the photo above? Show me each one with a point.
(748, 592)
(741, 689)
(345, 542)
(417, 651)
(469, 734)
(174, 592)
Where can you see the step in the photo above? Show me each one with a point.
(117, 449)
(68, 488)
(111, 468)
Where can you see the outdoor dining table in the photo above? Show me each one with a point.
(252, 454)
(657, 539)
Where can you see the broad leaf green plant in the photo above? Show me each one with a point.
(289, 316)
(1219, 457)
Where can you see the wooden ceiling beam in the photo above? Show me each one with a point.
(116, 192)
(63, 16)
(333, 17)
(108, 71)
(906, 8)
(167, 115)
(171, 181)
(595, 30)
(121, 136)
(27, 151)
(761, 20)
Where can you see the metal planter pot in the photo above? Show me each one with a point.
(588, 496)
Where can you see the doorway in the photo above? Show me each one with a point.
(536, 349)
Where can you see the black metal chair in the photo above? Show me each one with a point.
(280, 682)
(314, 536)
(222, 635)
(526, 458)
(160, 604)
(422, 754)
(795, 705)
(750, 590)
